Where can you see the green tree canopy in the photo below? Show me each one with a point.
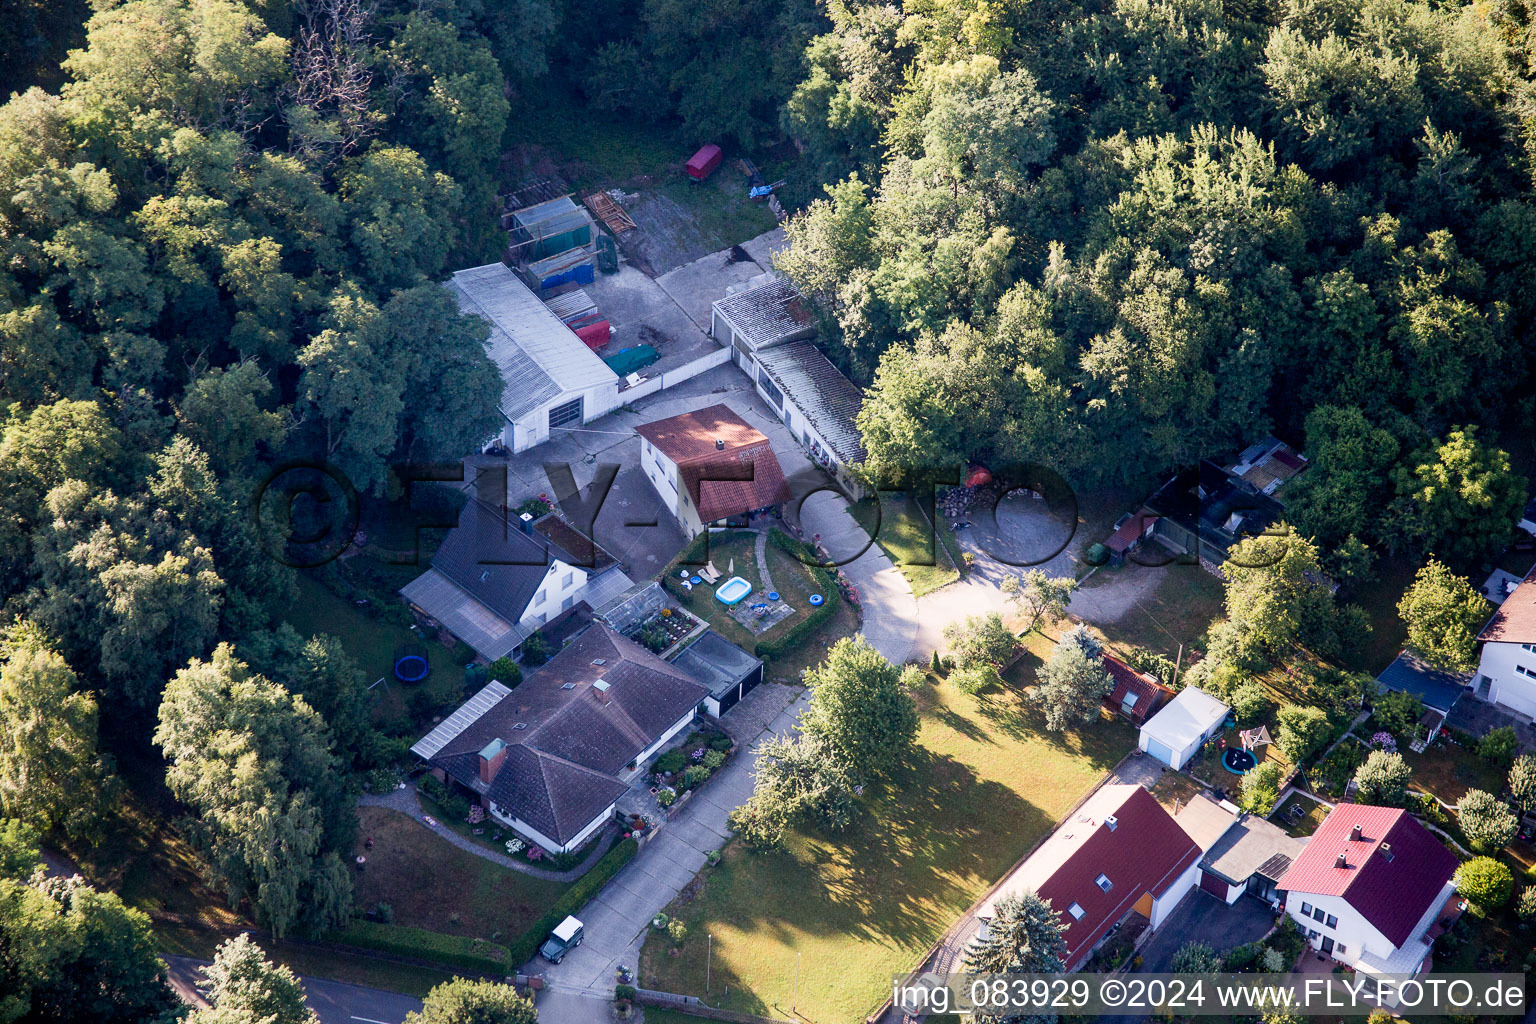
(860, 710)
(1382, 780)
(1444, 614)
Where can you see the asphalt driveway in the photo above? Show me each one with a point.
(1202, 917)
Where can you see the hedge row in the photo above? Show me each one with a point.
(796, 634)
(459, 951)
(573, 899)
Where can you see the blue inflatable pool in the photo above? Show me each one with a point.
(733, 590)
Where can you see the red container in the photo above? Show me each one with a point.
(596, 336)
(702, 163)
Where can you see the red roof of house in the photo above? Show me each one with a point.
(1391, 889)
(1515, 621)
(1128, 534)
(1149, 692)
(1146, 851)
(716, 443)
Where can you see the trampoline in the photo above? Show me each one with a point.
(1237, 761)
(411, 664)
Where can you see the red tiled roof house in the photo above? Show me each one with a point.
(1120, 852)
(709, 465)
(1136, 694)
(1371, 889)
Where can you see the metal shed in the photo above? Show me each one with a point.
(550, 228)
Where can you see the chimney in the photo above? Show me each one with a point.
(1354, 834)
(601, 688)
(1386, 851)
(526, 522)
(1340, 862)
(491, 757)
(719, 445)
(1111, 822)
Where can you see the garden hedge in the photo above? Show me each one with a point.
(796, 634)
(459, 951)
(573, 899)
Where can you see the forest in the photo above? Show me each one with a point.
(1107, 236)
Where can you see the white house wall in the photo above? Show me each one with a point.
(560, 582)
(532, 428)
(1356, 933)
(542, 841)
(1163, 905)
(677, 727)
(1507, 685)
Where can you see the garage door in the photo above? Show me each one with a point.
(1215, 886)
(1160, 751)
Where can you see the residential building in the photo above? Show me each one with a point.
(551, 758)
(499, 577)
(727, 671)
(550, 378)
(1120, 854)
(1371, 889)
(709, 465)
(1240, 854)
(819, 406)
(1136, 694)
(1175, 734)
(1506, 668)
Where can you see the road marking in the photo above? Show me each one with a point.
(370, 1020)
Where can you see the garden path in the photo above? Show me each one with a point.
(404, 800)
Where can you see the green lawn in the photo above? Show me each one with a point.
(986, 781)
(430, 883)
(1312, 816)
(1180, 608)
(924, 557)
(1448, 772)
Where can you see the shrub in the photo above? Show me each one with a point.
(1273, 961)
(384, 912)
(673, 761)
(536, 650)
(1302, 731)
(1486, 820)
(1250, 703)
(1397, 713)
(677, 931)
(1485, 882)
(1382, 780)
(972, 681)
(1195, 958)
(713, 759)
(1261, 788)
(506, 671)
(935, 663)
(1525, 909)
(433, 788)
(624, 993)
(666, 796)
(1499, 747)
(459, 951)
(695, 777)
(721, 742)
(574, 898)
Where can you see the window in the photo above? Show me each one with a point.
(770, 388)
(1526, 671)
(1528, 647)
(1332, 922)
(538, 597)
(1312, 934)
(1318, 914)
(1306, 910)
(560, 415)
(1104, 883)
(1076, 910)
(1339, 949)
(567, 602)
(568, 578)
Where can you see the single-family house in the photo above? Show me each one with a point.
(1240, 854)
(1506, 668)
(709, 465)
(550, 758)
(1372, 889)
(1120, 853)
(1175, 734)
(498, 577)
(550, 378)
(1136, 694)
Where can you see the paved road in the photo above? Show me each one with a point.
(334, 1002)
(886, 602)
(616, 920)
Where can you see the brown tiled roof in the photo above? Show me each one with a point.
(742, 476)
(1149, 692)
(1515, 621)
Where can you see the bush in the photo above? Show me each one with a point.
(459, 951)
(1302, 731)
(574, 898)
(1250, 703)
(1261, 788)
(1397, 713)
(624, 993)
(666, 796)
(1382, 780)
(713, 759)
(506, 671)
(677, 931)
(1525, 909)
(1499, 747)
(695, 777)
(432, 788)
(721, 742)
(971, 681)
(1195, 958)
(1485, 882)
(536, 650)
(384, 912)
(1486, 820)
(673, 761)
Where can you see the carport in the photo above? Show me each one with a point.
(729, 672)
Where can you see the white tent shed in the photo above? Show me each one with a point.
(550, 378)
(1175, 733)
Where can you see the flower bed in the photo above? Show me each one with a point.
(690, 764)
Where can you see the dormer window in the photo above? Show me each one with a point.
(1104, 883)
(1076, 910)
